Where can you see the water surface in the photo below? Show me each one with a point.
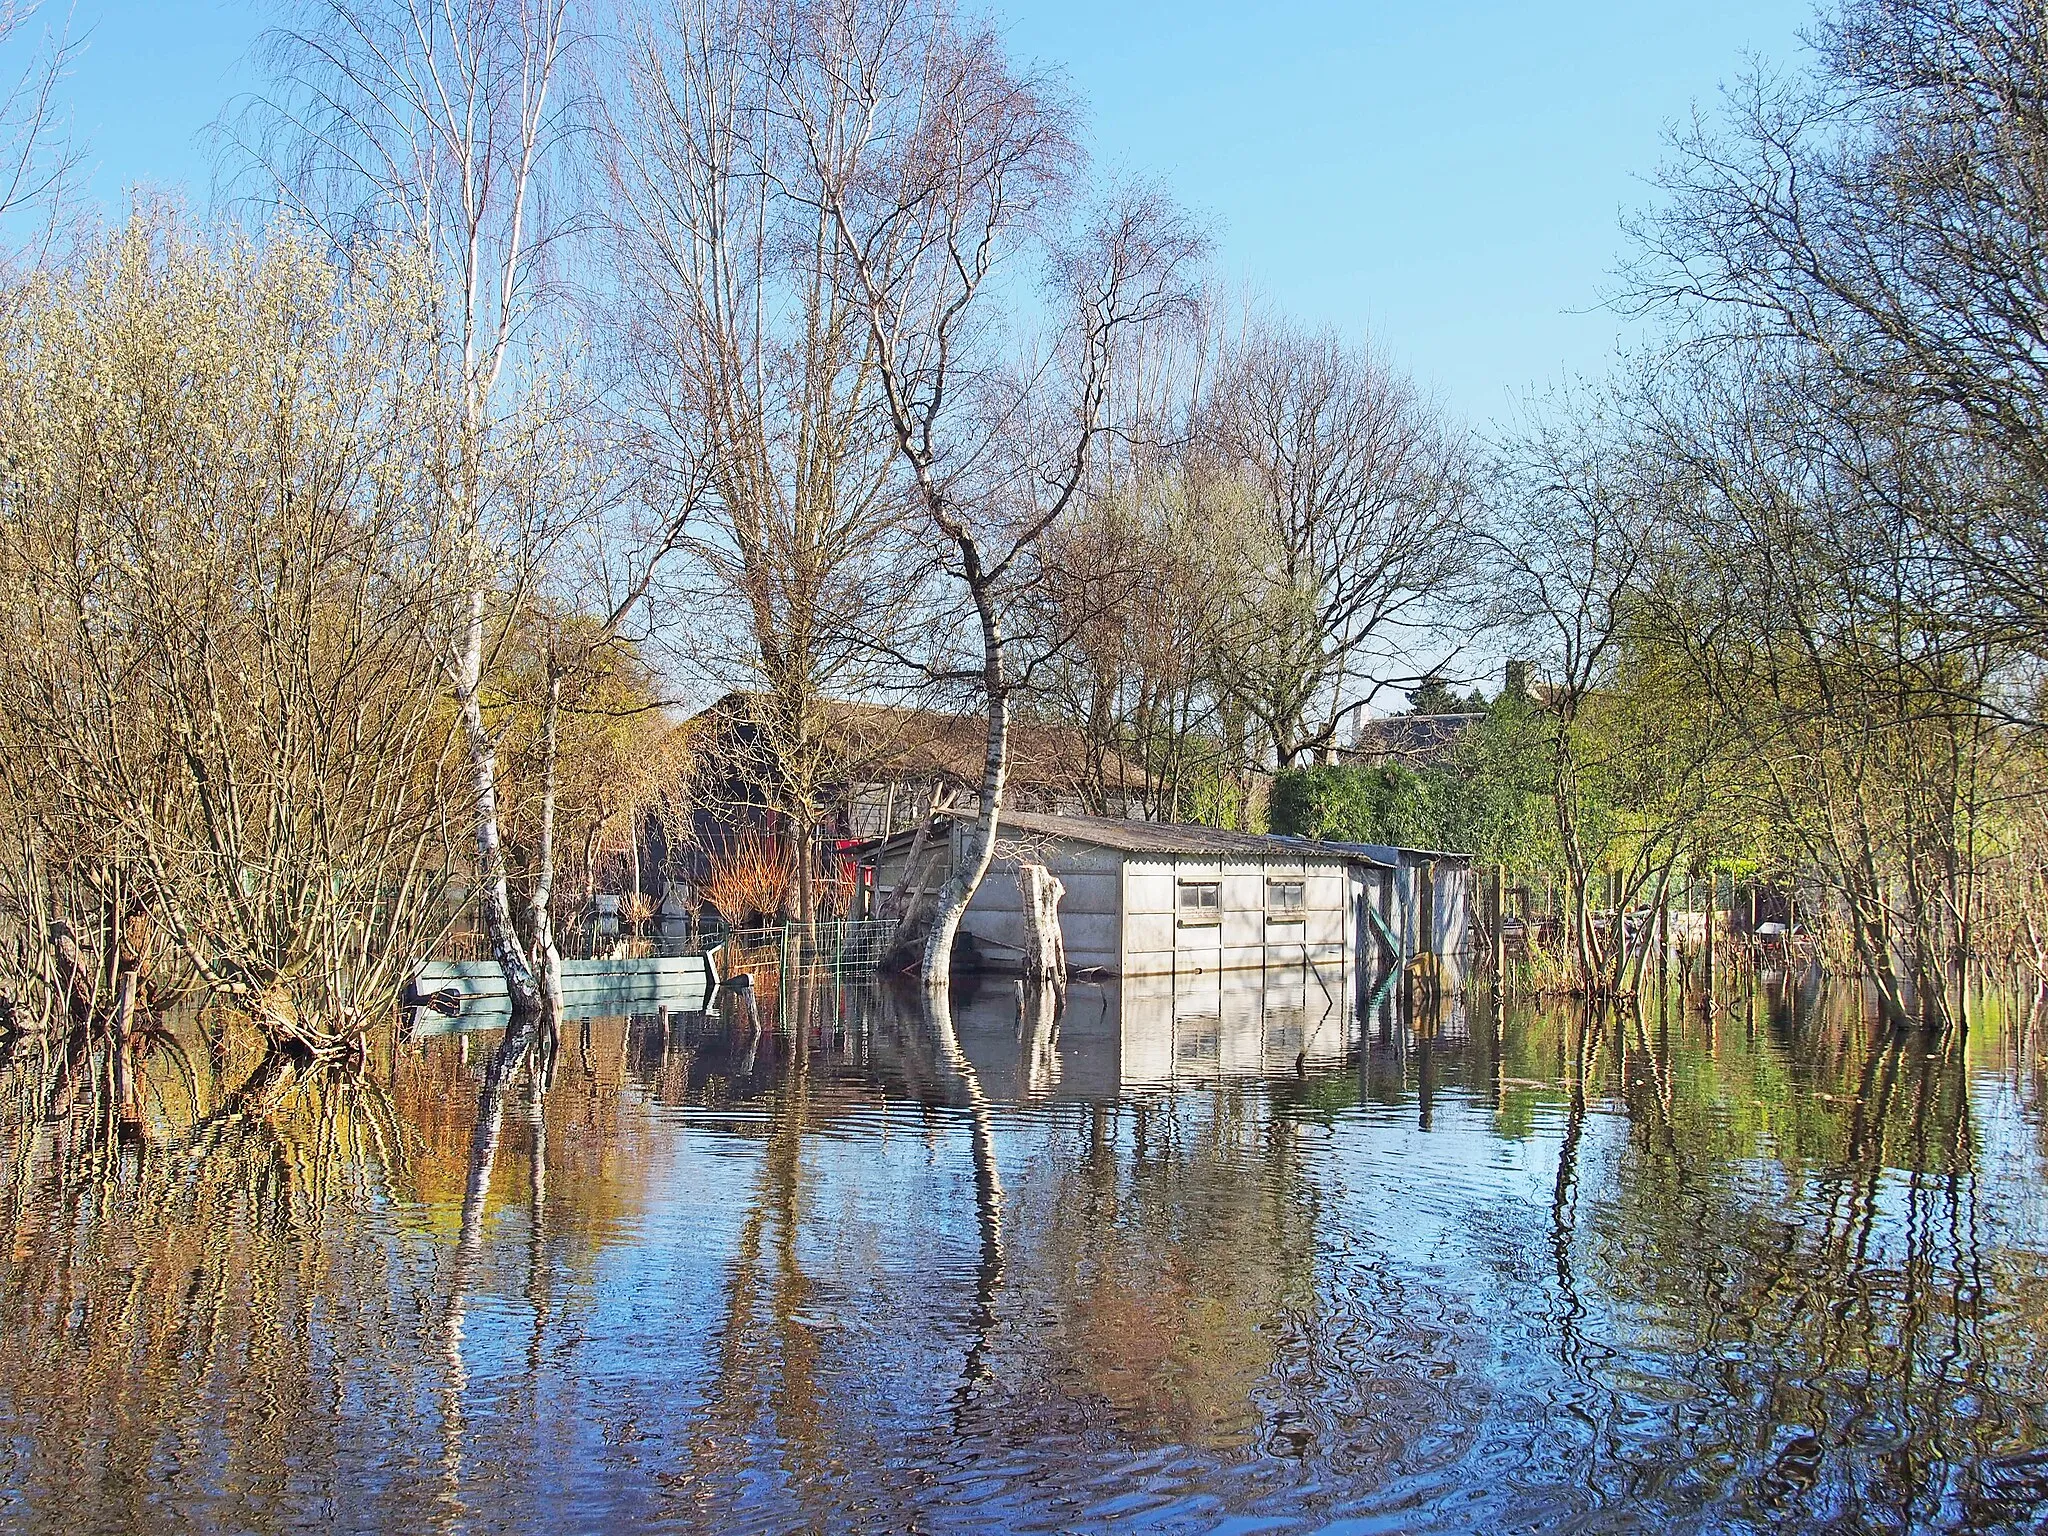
(1196, 1256)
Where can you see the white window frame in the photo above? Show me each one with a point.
(1298, 912)
(1207, 914)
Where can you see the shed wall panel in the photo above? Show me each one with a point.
(1148, 933)
(1243, 925)
(1149, 890)
(1096, 933)
(1089, 891)
(1082, 858)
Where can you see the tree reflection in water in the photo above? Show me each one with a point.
(827, 1260)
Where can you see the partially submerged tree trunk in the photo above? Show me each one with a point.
(127, 1100)
(1045, 949)
(545, 950)
(979, 838)
(1707, 946)
(1044, 987)
(494, 900)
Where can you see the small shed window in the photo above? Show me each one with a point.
(1286, 901)
(1201, 901)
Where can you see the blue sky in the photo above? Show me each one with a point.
(1446, 177)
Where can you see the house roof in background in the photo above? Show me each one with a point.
(879, 742)
(1415, 741)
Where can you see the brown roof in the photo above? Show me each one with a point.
(880, 742)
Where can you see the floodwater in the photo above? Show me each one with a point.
(1206, 1256)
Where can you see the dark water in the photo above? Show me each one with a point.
(1197, 1262)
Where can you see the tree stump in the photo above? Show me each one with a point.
(1045, 949)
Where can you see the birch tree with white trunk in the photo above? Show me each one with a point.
(447, 127)
(954, 184)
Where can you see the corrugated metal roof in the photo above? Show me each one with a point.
(1387, 854)
(1169, 838)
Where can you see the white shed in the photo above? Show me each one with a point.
(1147, 898)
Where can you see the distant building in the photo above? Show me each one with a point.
(1429, 739)
(884, 769)
(1413, 741)
(884, 764)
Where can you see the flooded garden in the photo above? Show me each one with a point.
(731, 799)
(1197, 1254)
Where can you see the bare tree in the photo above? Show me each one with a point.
(1886, 214)
(1354, 536)
(750, 347)
(1570, 546)
(1130, 603)
(944, 172)
(444, 127)
(37, 160)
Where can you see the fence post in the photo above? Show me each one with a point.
(1496, 938)
(782, 980)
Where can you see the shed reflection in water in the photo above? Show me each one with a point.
(1189, 1250)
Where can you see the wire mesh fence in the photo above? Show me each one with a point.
(845, 948)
